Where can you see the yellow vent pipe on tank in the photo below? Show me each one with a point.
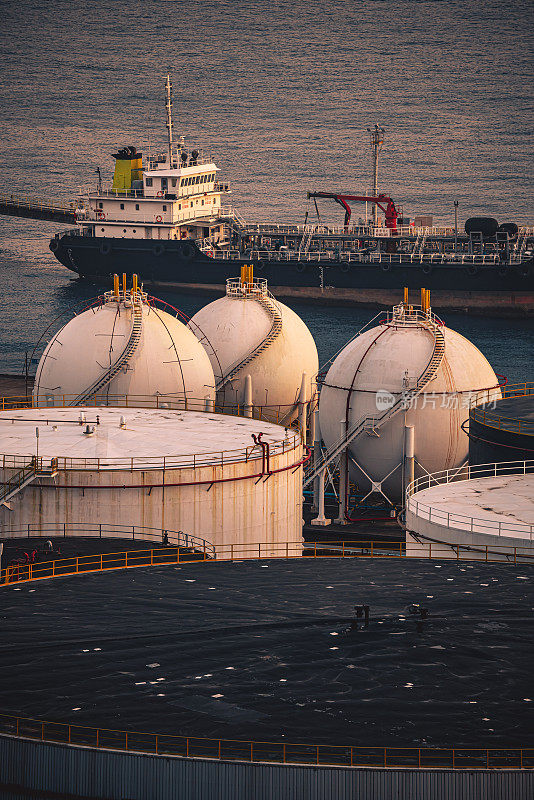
(247, 275)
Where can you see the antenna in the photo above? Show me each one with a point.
(376, 137)
(168, 106)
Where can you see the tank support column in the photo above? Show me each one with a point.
(316, 457)
(409, 455)
(340, 519)
(247, 411)
(320, 519)
(303, 406)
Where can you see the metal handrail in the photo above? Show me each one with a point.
(479, 413)
(109, 531)
(456, 758)
(169, 745)
(464, 521)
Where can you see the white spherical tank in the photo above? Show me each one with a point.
(247, 332)
(385, 364)
(124, 348)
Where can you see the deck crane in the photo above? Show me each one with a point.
(381, 200)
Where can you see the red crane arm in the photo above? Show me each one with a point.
(383, 202)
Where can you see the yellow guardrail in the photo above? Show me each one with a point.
(274, 752)
(493, 419)
(456, 758)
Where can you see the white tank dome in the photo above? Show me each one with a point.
(390, 359)
(156, 354)
(247, 332)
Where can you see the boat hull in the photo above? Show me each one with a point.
(480, 289)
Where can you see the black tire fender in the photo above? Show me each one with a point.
(105, 248)
(54, 245)
(188, 251)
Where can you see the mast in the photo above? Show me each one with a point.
(168, 106)
(376, 137)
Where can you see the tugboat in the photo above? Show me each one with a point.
(165, 220)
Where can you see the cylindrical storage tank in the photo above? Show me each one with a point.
(383, 365)
(503, 430)
(157, 356)
(487, 226)
(205, 474)
(248, 332)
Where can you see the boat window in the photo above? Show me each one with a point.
(173, 181)
(179, 206)
(197, 179)
(101, 205)
(122, 206)
(165, 208)
(149, 181)
(137, 206)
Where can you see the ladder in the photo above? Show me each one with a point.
(520, 243)
(305, 242)
(20, 479)
(268, 303)
(123, 359)
(372, 424)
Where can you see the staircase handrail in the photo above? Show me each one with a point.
(269, 304)
(123, 359)
(372, 422)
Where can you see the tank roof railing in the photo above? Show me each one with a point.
(367, 756)
(490, 416)
(236, 289)
(412, 314)
(465, 522)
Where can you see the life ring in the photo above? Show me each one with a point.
(472, 269)
(158, 250)
(100, 215)
(159, 218)
(105, 248)
(54, 245)
(188, 251)
(161, 194)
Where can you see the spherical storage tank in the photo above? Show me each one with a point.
(374, 370)
(124, 346)
(247, 332)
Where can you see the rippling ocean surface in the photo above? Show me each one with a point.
(281, 93)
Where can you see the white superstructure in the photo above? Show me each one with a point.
(173, 195)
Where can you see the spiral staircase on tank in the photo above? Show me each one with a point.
(257, 291)
(123, 359)
(372, 424)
